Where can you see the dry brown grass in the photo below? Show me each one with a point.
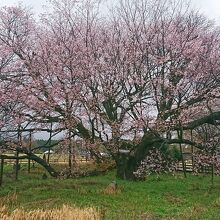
(192, 213)
(216, 203)
(64, 213)
(111, 189)
(8, 200)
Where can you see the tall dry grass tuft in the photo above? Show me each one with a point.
(194, 212)
(3, 212)
(9, 199)
(112, 188)
(64, 213)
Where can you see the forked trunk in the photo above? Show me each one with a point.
(127, 162)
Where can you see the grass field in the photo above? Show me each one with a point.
(170, 197)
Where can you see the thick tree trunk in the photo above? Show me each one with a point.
(127, 162)
(126, 166)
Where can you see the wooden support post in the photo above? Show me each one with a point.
(192, 149)
(183, 162)
(48, 156)
(16, 166)
(70, 150)
(1, 171)
(17, 153)
(212, 167)
(180, 136)
(30, 143)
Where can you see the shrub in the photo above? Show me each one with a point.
(155, 162)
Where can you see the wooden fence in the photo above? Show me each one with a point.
(15, 163)
(189, 167)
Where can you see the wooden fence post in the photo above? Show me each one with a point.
(48, 155)
(192, 149)
(29, 160)
(1, 171)
(16, 166)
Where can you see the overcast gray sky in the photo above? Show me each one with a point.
(211, 8)
(35, 4)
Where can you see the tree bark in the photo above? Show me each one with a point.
(127, 162)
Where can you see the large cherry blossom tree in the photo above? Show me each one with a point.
(135, 79)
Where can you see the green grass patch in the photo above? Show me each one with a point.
(169, 197)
